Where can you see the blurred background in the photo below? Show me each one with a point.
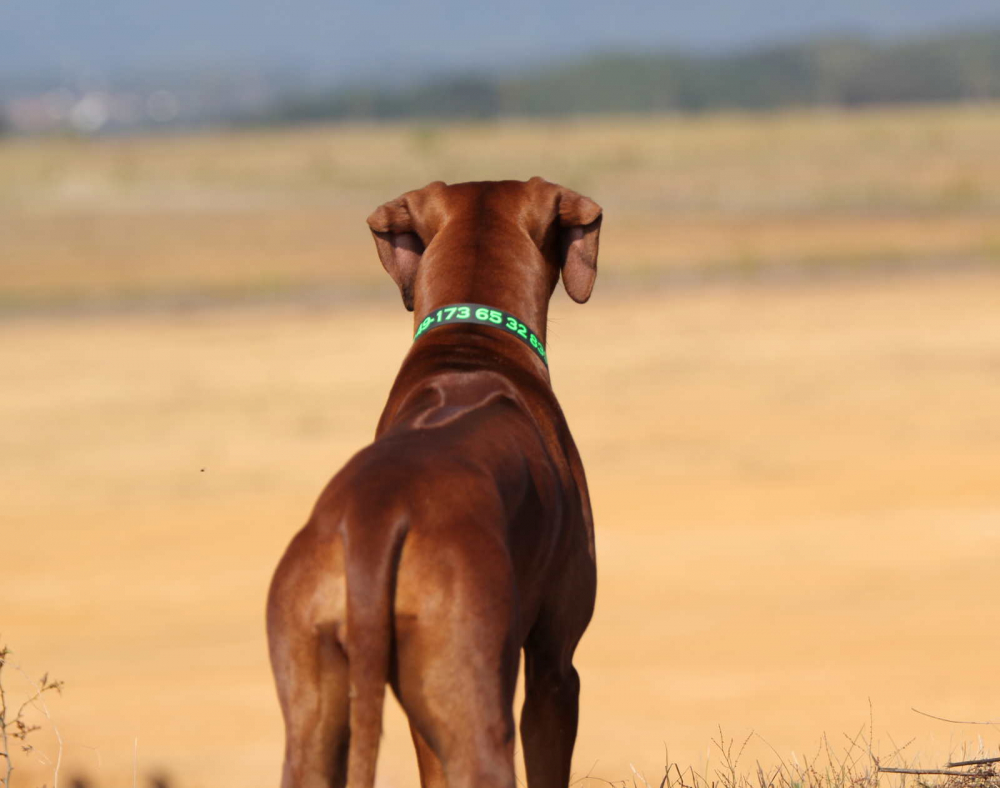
(785, 389)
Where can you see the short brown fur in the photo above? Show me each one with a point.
(463, 533)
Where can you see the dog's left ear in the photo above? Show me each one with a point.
(398, 245)
(397, 241)
(579, 236)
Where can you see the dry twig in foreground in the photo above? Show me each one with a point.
(15, 727)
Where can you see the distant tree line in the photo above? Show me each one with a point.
(838, 72)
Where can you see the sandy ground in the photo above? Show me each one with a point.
(796, 487)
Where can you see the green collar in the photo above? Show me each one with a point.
(483, 316)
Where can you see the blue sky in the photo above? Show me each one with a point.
(392, 40)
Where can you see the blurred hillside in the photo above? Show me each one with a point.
(837, 72)
(842, 71)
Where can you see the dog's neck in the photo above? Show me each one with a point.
(505, 272)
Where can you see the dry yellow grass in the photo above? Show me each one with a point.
(795, 485)
(795, 489)
(276, 211)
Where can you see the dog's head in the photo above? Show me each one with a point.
(520, 234)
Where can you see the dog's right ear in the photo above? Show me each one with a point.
(398, 245)
(580, 221)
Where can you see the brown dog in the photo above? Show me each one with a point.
(463, 533)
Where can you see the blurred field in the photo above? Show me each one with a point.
(795, 482)
(276, 213)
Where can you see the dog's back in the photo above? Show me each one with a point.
(461, 535)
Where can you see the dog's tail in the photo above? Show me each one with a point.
(372, 556)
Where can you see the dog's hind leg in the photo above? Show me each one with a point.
(431, 770)
(462, 717)
(457, 664)
(310, 670)
(313, 693)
